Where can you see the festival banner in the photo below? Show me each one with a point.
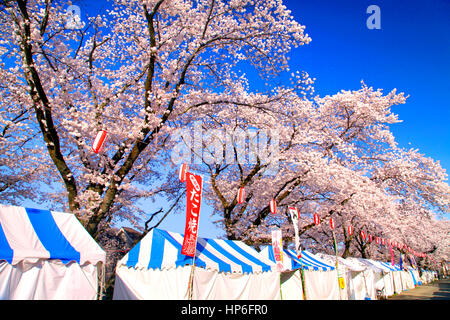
(295, 216)
(193, 202)
(277, 245)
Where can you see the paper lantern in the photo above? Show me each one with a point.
(273, 206)
(331, 223)
(370, 238)
(363, 235)
(377, 240)
(182, 173)
(99, 141)
(316, 219)
(383, 242)
(241, 195)
(350, 230)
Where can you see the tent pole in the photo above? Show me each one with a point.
(302, 276)
(337, 264)
(191, 280)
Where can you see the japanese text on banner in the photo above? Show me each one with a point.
(193, 202)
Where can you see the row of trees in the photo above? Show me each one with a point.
(145, 70)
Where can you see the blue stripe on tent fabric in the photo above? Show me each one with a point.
(133, 255)
(245, 267)
(6, 252)
(306, 261)
(414, 278)
(295, 263)
(271, 254)
(157, 250)
(249, 257)
(388, 266)
(51, 237)
(318, 263)
(303, 262)
(182, 259)
(223, 266)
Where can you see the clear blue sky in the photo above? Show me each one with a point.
(411, 52)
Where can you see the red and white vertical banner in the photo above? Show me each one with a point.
(193, 202)
(332, 223)
(295, 217)
(277, 245)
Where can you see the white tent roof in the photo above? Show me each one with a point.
(32, 234)
(342, 262)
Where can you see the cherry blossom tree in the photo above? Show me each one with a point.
(139, 71)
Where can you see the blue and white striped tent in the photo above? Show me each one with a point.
(31, 234)
(55, 247)
(161, 249)
(224, 269)
(291, 262)
(390, 266)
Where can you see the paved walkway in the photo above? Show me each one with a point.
(437, 290)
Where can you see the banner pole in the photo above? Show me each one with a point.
(337, 263)
(191, 276)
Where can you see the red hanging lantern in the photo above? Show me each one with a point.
(370, 238)
(241, 195)
(363, 235)
(377, 240)
(350, 230)
(383, 242)
(316, 219)
(273, 206)
(99, 141)
(332, 223)
(182, 173)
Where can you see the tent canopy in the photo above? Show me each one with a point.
(308, 261)
(32, 234)
(161, 249)
(390, 266)
(342, 262)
